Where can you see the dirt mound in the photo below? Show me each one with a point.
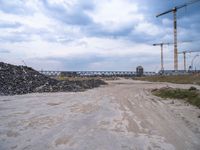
(22, 80)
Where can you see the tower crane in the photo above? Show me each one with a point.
(184, 56)
(174, 11)
(161, 46)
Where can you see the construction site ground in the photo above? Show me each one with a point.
(122, 115)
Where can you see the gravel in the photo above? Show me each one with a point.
(23, 80)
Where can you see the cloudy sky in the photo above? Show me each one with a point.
(95, 34)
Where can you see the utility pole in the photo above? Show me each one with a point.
(174, 11)
(161, 46)
(184, 56)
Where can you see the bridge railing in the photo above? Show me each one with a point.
(93, 73)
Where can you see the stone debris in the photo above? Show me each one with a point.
(23, 80)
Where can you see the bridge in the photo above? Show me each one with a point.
(94, 73)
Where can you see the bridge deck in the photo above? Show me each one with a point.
(93, 73)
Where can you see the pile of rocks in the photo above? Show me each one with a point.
(22, 80)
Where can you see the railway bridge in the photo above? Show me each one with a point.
(94, 73)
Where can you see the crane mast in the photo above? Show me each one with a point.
(175, 41)
(161, 56)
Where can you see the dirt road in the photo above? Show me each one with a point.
(120, 116)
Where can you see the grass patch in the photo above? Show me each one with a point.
(191, 95)
(181, 79)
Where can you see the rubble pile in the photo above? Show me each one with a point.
(23, 80)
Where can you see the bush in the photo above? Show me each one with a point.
(192, 88)
(191, 95)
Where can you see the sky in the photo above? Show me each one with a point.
(98, 35)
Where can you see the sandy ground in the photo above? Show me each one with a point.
(123, 115)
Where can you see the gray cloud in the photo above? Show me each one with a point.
(4, 51)
(4, 24)
(13, 38)
(15, 7)
(75, 16)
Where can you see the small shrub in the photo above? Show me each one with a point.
(192, 88)
(191, 95)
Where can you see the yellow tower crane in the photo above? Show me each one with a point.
(174, 10)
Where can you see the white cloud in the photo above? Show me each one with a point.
(148, 28)
(98, 46)
(114, 14)
(167, 22)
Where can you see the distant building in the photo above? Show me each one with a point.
(139, 71)
(68, 74)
